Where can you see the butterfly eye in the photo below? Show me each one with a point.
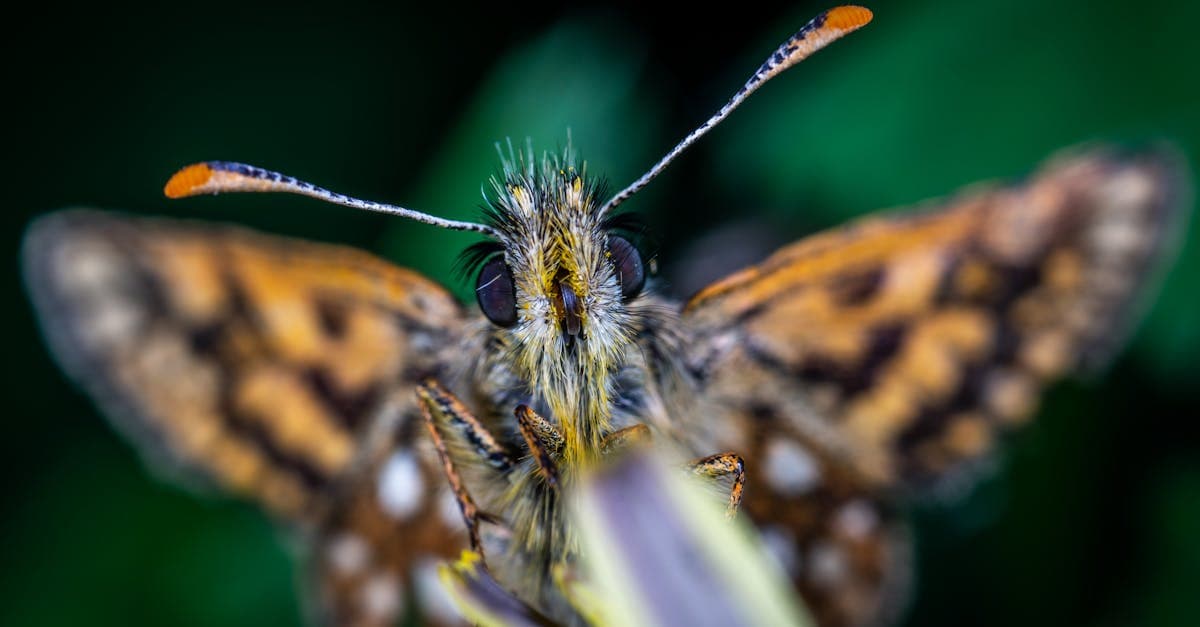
(495, 292)
(628, 264)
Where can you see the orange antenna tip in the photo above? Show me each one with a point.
(188, 181)
(848, 18)
(215, 177)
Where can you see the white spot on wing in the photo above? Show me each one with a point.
(87, 263)
(790, 468)
(94, 277)
(856, 519)
(1131, 188)
(1117, 238)
(112, 321)
(348, 553)
(400, 485)
(828, 565)
(381, 597)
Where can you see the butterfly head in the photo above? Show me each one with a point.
(556, 280)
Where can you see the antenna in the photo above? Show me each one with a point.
(215, 177)
(821, 31)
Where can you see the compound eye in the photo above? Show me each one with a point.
(628, 263)
(495, 292)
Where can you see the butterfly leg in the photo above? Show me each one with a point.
(544, 441)
(624, 438)
(446, 417)
(722, 465)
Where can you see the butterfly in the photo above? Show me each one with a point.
(388, 425)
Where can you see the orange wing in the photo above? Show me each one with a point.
(891, 353)
(277, 370)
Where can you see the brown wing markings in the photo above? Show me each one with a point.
(851, 377)
(881, 344)
(251, 403)
(350, 385)
(856, 248)
(958, 419)
(992, 383)
(340, 366)
(332, 316)
(857, 288)
(351, 407)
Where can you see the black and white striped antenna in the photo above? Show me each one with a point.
(821, 31)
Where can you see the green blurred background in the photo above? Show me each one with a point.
(1094, 518)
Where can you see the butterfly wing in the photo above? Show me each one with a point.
(907, 341)
(897, 348)
(276, 370)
